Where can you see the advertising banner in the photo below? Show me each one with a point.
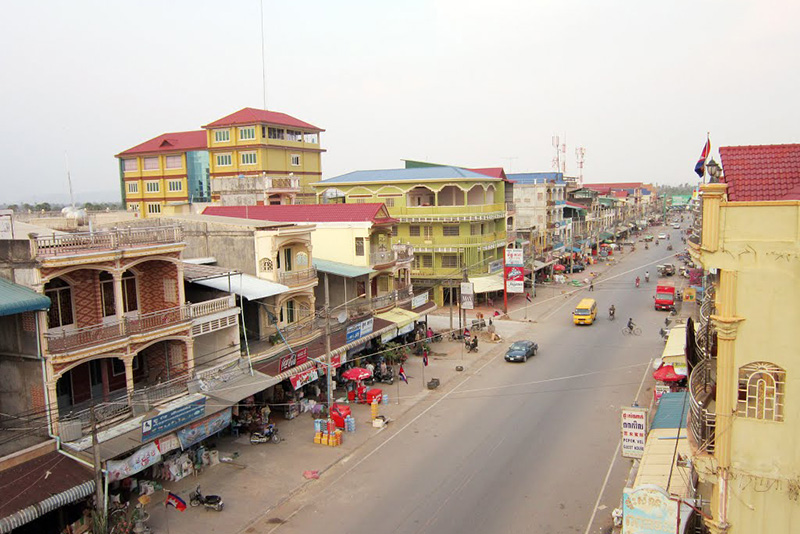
(467, 296)
(388, 336)
(359, 330)
(291, 360)
(514, 257)
(301, 379)
(419, 300)
(515, 280)
(634, 431)
(200, 430)
(648, 508)
(168, 421)
(138, 461)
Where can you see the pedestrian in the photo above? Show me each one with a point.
(591, 285)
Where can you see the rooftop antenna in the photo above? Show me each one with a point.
(564, 156)
(556, 142)
(511, 162)
(263, 59)
(69, 180)
(580, 155)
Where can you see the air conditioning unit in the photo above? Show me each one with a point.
(70, 430)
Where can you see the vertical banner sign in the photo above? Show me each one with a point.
(634, 431)
(514, 272)
(467, 296)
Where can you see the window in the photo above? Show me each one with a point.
(450, 230)
(133, 187)
(427, 260)
(133, 207)
(130, 165)
(247, 133)
(427, 232)
(151, 164)
(107, 294)
(287, 259)
(296, 160)
(175, 185)
(413, 231)
(288, 312)
(224, 160)
(130, 301)
(118, 366)
(60, 294)
(176, 356)
(294, 135)
(476, 229)
(311, 138)
(450, 261)
(383, 283)
(761, 391)
(248, 158)
(153, 208)
(152, 187)
(222, 136)
(389, 202)
(276, 133)
(359, 246)
(174, 162)
(361, 200)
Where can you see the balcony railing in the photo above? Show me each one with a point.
(298, 278)
(703, 419)
(66, 244)
(403, 252)
(405, 293)
(209, 307)
(384, 301)
(68, 340)
(381, 257)
(441, 211)
(283, 183)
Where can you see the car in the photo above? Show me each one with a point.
(662, 236)
(520, 351)
(578, 267)
(648, 237)
(676, 226)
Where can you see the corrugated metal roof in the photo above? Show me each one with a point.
(15, 298)
(247, 286)
(527, 178)
(406, 175)
(672, 410)
(340, 269)
(194, 272)
(660, 459)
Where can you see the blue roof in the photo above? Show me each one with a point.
(15, 298)
(536, 177)
(417, 174)
(672, 410)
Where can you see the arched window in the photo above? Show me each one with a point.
(761, 391)
(60, 294)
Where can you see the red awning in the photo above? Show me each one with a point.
(666, 373)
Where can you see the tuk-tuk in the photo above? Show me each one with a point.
(666, 270)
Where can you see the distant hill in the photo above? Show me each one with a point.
(110, 195)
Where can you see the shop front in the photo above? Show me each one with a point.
(672, 370)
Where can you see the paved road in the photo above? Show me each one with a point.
(510, 447)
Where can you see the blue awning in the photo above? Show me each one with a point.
(15, 298)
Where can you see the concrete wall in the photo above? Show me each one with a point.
(18, 334)
(20, 385)
(230, 244)
(216, 347)
(339, 244)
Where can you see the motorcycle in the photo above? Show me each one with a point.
(208, 501)
(646, 246)
(647, 277)
(669, 247)
(471, 345)
(611, 312)
(267, 433)
(387, 378)
(637, 281)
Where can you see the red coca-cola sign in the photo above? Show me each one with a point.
(291, 360)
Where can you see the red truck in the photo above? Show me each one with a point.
(665, 295)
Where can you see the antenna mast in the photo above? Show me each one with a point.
(556, 142)
(69, 180)
(580, 155)
(263, 59)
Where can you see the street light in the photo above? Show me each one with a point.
(714, 171)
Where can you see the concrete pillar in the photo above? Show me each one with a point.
(713, 196)
(181, 289)
(189, 356)
(128, 361)
(119, 302)
(52, 397)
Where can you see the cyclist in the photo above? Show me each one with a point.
(611, 311)
(631, 324)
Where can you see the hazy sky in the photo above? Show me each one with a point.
(488, 83)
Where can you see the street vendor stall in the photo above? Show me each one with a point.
(673, 370)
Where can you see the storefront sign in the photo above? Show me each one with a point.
(660, 389)
(467, 296)
(514, 257)
(167, 443)
(495, 266)
(168, 421)
(419, 300)
(138, 461)
(291, 360)
(301, 379)
(359, 330)
(515, 280)
(388, 336)
(634, 431)
(405, 329)
(200, 430)
(648, 509)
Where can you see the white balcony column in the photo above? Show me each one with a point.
(52, 398)
(181, 288)
(128, 361)
(189, 356)
(119, 302)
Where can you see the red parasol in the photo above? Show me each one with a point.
(356, 373)
(559, 267)
(666, 373)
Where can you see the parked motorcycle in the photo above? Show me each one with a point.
(386, 378)
(208, 501)
(472, 344)
(267, 433)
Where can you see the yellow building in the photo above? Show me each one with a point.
(744, 423)
(263, 157)
(168, 170)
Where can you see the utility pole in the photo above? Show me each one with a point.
(98, 470)
(329, 372)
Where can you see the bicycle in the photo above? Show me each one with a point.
(636, 331)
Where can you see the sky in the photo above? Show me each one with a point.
(637, 84)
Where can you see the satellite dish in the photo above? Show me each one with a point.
(342, 316)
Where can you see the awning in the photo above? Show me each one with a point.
(15, 298)
(27, 491)
(193, 272)
(231, 391)
(485, 284)
(538, 265)
(201, 261)
(399, 316)
(606, 235)
(660, 460)
(244, 285)
(340, 269)
(673, 410)
(674, 349)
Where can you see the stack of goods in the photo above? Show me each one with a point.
(331, 439)
(349, 424)
(374, 407)
(385, 399)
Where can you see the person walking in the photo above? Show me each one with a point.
(591, 285)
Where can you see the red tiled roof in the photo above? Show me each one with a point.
(261, 116)
(620, 194)
(375, 213)
(494, 172)
(577, 206)
(171, 142)
(763, 172)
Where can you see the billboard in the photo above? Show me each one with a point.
(467, 296)
(634, 431)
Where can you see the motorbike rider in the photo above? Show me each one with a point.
(473, 344)
(611, 311)
(637, 281)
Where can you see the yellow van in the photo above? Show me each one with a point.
(585, 312)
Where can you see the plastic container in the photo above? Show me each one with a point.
(385, 399)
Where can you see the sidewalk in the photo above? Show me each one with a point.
(266, 475)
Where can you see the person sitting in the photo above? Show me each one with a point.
(473, 345)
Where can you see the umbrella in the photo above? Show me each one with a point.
(667, 374)
(559, 267)
(356, 373)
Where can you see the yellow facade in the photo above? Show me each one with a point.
(153, 181)
(749, 470)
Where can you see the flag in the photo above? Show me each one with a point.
(175, 501)
(700, 166)
(402, 375)
(425, 358)
(528, 297)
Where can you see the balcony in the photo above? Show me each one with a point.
(382, 302)
(283, 184)
(702, 415)
(381, 257)
(298, 278)
(107, 240)
(403, 252)
(467, 211)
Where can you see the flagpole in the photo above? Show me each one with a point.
(398, 386)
